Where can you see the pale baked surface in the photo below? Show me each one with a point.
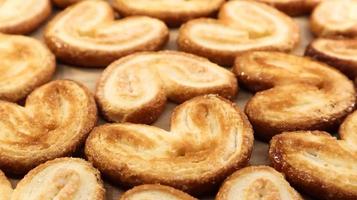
(5, 187)
(257, 182)
(293, 7)
(135, 88)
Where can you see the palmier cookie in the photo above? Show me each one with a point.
(55, 120)
(64, 3)
(257, 182)
(209, 139)
(335, 18)
(317, 163)
(299, 93)
(25, 64)
(135, 88)
(172, 12)
(242, 26)
(22, 17)
(340, 54)
(63, 178)
(154, 192)
(293, 7)
(5, 187)
(86, 34)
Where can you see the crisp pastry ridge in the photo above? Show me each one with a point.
(339, 53)
(154, 192)
(22, 17)
(64, 3)
(135, 88)
(86, 34)
(61, 178)
(294, 93)
(263, 28)
(257, 182)
(317, 163)
(293, 7)
(173, 13)
(25, 64)
(5, 187)
(209, 139)
(55, 120)
(335, 18)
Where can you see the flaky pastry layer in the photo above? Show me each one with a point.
(5, 187)
(293, 7)
(64, 3)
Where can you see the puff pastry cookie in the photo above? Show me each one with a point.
(173, 12)
(134, 88)
(335, 18)
(209, 139)
(317, 163)
(299, 93)
(63, 178)
(86, 34)
(5, 187)
(25, 64)
(64, 3)
(293, 7)
(154, 192)
(257, 182)
(242, 26)
(21, 17)
(340, 54)
(55, 120)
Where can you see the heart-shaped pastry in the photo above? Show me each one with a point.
(134, 88)
(22, 17)
(5, 187)
(293, 7)
(25, 64)
(64, 3)
(172, 12)
(339, 53)
(86, 34)
(257, 182)
(335, 18)
(317, 163)
(62, 178)
(56, 119)
(297, 93)
(209, 139)
(154, 192)
(241, 26)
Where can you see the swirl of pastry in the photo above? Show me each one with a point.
(242, 26)
(86, 34)
(135, 88)
(317, 163)
(172, 12)
(62, 178)
(340, 54)
(154, 192)
(257, 182)
(335, 18)
(64, 3)
(25, 64)
(299, 93)
(22, 17)
(293, 7)
(5, 187)
(209, 139)
(56, 119)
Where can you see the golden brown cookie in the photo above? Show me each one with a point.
(135, 88)
(209, 139)
(317, 163)
(86, 34)
(173, 13)
(64, 3)
(296, 93)
(257, 182)
(154, 192)
(55, 120)
(339, 53)
(25, 64)
(293, 7)
(62, 178)
(241, 26)
(22, 17)
(5, 187)
(334, 18)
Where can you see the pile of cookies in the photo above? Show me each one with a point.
(49, 130)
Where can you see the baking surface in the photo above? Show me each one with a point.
(90, 76)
